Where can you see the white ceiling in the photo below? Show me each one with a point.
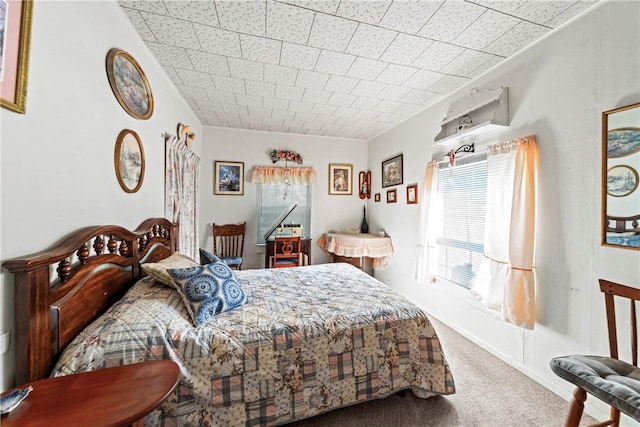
(350, 68)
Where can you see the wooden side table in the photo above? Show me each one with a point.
(119, 396)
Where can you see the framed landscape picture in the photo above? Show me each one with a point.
(129, 84)
(392, 171)
(228, 178)
(128, 160)
(340, 179)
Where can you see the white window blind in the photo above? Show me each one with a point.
(463, 192)
(274, 199)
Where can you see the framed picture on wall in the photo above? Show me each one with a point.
(129, 84)
(412, 194)
(376, 197)
(392, 196)
(128, 160)
(392, 171)
(340, 179)
(15, 41)
(228, 178)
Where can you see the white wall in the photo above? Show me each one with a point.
(558, 90)
(252, 147)
(57, 159)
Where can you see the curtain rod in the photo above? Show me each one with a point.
(463, 158)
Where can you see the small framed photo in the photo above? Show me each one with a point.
(376, 197)
(412, 194)
(228, 178)
(340, 179)
(128, 160)
(392, 196)
(392, 171)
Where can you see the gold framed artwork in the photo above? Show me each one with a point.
(392, 171)
(129, 84)
(340, 179)
(392, 196)
(412, 194)
(128, 159)
(228, 178)
(15, 41)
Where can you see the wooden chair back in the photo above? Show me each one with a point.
(286, 252)
(228, 241)
(612, 292)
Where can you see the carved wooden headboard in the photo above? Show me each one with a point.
(59, 291)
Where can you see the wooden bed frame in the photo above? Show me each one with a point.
(51, 309)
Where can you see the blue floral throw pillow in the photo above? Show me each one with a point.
(207, 290)
(207, 257)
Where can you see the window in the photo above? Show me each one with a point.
(463, 195)
(274, 199)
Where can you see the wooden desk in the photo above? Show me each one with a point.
(305, 248)
(118, 396)
(375, 250)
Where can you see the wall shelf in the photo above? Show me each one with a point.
(488, 109)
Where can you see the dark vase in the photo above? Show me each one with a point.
(364, 227)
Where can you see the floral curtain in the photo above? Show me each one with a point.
(506, 280)
(283, 175)
(426, 250)
(182, 168)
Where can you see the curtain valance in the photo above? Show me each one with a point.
(279, 175)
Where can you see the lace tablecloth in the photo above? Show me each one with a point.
(379, 249)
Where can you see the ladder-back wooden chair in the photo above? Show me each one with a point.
(610, 379)
(286, 252)
(228, 243)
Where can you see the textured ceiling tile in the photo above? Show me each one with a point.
(388, 106)
(156, 7)
(288, 23)
(467, 63)
(182, 33)
(500, 5)
(294, 55)
(495, 60)
(316, 96)
(260, 88)
(243, 69)
(389, 117)
(422, 97)
(570, 12)
(203, 12)
(195, 78)
(173, 75)
(140, 25)
(370, 11)
(488, 27)
(341, 99)
(221, 97)
(219, 41)
(249, 100)
(326, 119)
(396, 74)
(305, 117)
(366, 123)
(451, 20)
(334, 62)
(275, 103)
(405, 49)
(409, 16)
(233, 119)
(437, 56)
(260, 49)
(367, 88)
(235, 109)
(171, 56)
(324, 109)
(367, 115)
(347, 116)
(516, 38)
(264, 113)
(300, 106)
(423, 79)
(243, 16)
(193, 92)
(326, 6)
(370, 41)
(531, 10)
(283, 115)
(394, 92)
(228, 84)
(365, 103)
(273, 122)
(368, 69)
(280, 75)
(409, 109)
(448, 84)
(341, 84)
(209, 62)
(331, 32)
(289, 92)
(205, 105)
(312, 79)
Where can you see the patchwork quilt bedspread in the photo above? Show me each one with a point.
(309, 340)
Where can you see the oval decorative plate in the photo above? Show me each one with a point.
(623, 141)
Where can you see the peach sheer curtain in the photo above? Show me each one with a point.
(280, 175)
(426, 248)
(506, 279)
